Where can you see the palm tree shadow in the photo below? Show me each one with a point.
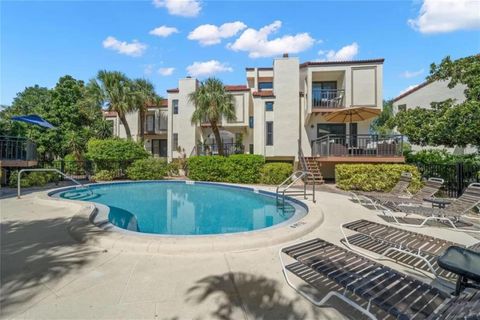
(35, 255)
(256, 296)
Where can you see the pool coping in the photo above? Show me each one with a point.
(88, 225)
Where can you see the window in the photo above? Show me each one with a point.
(250, 122)
(159, 147)
(269, 106)
(331, 128)
(402, 107)
(175, 141)
(250, 148)
(150, 123)
(269, 133)
(175, 106)
(265, 86)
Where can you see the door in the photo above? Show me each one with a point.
(159, 147)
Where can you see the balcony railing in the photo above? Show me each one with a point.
(327, 98)
(358, 145)
(212, 149)
(17, 148)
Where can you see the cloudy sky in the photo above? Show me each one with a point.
(163, 40)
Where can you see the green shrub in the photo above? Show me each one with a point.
(108, 153)
(275, 173)
(435, 156)
(103, 175)
(211, 168)
(32, 179)
(374, 177)
(147, 169)
(72, 166)
(240, 168)
(243, 168)
(173, 168)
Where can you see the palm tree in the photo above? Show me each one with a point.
(114, 89)
(145, 95)
(212, 103)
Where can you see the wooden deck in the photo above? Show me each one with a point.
(17, 163)
(361, 159)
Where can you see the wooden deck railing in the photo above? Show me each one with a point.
(359, 145)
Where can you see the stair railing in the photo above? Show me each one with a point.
(284, 187)
(19, 177)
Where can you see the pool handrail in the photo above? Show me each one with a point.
(19, 176)
(294, 179)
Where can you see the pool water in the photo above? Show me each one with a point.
(179, 208)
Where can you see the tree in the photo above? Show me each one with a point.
(212, 103)
(144, 95)
(382, 124)
(65, 106)
(447, 123)
(114, 89)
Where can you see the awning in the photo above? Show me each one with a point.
(34, 119)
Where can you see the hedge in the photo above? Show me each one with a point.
(147, 169)
(240, 168)
(275, 173)
(115, 150)
(375, 177)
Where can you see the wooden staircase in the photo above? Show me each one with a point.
(312, 166)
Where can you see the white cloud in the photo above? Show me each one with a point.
(134, 49)
(184, 8)
(257, 44)
(408, 89)
(437, 16)
(209, 34)
(207, 68)
(345, 53)
(412, 74)
(163, 31)
(166, 71)
(148, 69)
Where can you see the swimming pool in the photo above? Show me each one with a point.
(187, 208)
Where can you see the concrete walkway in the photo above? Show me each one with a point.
(47, 275)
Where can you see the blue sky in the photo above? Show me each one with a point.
(43, 40)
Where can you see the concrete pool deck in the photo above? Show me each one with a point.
(46, 274)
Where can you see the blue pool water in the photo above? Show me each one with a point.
(177, 208)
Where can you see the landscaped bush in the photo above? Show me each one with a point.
(148, 169)
(32, 179)
(173, 168)
(434, 156)
(374, 177)
(275, 173)
(211, 168)
(72, 166)
(244, 168)
(103, 175)
(110, 153)
(241, 168)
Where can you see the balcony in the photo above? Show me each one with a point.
(17, 152)
(359, 148)
(328, 98)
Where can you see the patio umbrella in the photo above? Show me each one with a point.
(353, 114)
(34, 119)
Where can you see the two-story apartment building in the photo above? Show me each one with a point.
(155, 127)
(319, 110)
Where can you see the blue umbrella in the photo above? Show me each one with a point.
(34, 119)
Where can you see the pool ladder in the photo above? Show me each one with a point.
(19, 177)
(284, 188)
